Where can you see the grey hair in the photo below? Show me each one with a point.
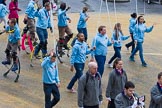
(92, 64)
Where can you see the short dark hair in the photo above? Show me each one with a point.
(129, 84)
(54, 55)
(85, 9)
(134, 15)
(63, 6)
(13, 20)
(47, 4)
(159, 75)
(101, 28)
(79, 34)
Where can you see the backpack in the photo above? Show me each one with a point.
(87, 77)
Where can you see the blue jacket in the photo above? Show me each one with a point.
(101, 42)
(31, 9)
(82, 22)
(139, 31)
(43, 21)
(3, 11)
(15, 36)
(62, 18)
(79, 52)
(118, 42)
(132, 23)
(50, 71)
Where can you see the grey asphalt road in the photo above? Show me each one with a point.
(126, 7)
(94, 5)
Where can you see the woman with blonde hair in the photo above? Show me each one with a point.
(117, 38)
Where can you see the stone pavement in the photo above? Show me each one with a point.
(28, 92)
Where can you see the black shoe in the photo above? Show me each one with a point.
(66, 47)
(144, 64)
(61, 53)
(35, 43)
(126, 46)
(6, 62)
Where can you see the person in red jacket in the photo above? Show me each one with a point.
(13, 7)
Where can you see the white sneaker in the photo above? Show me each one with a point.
(72, 90)
(110, 65)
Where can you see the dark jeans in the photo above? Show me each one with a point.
(117, 54)
(96, 106)
(131, 43)
(42, 35)
(84, 31)
(140, 48)
(79, 67)
(111, 104)
(48, 90)
(101, 63)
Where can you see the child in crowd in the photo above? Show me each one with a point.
(13, 43)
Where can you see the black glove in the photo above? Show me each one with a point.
(68, 8)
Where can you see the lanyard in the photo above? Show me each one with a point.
(47, 14)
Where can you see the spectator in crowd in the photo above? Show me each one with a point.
(100, 42)
(116, 82)
(51, 81)
(13, 7)
(128, 99)
(77, 60)
(89, 88)
(156, 93)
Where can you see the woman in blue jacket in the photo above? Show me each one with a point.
(117, 38)
(139, 30)
(82, 25)
(132, 23)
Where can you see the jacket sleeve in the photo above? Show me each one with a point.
(81, 87)
(156, 96)
(135, 33)
(124, 37)
(29, 8)
(149, 29)
(132, 24)
(61, 12)
(57, 74)
(109, 42)
(73, 55)
(88, 51)
(37, 13)
(67, 18)
(49, 22)
(119, 102)
(11, 6)
(100, 90)
(83, 17)
(113, 38)
(93, 45)
(17, 34)
(109, 85)
(43, 64)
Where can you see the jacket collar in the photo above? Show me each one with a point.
(117, 72)
(160, 89)
(130, 98)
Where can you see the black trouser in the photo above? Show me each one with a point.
(96, 106)
(131, 43)
(111, 104)
(51, 89)
(17, 20)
